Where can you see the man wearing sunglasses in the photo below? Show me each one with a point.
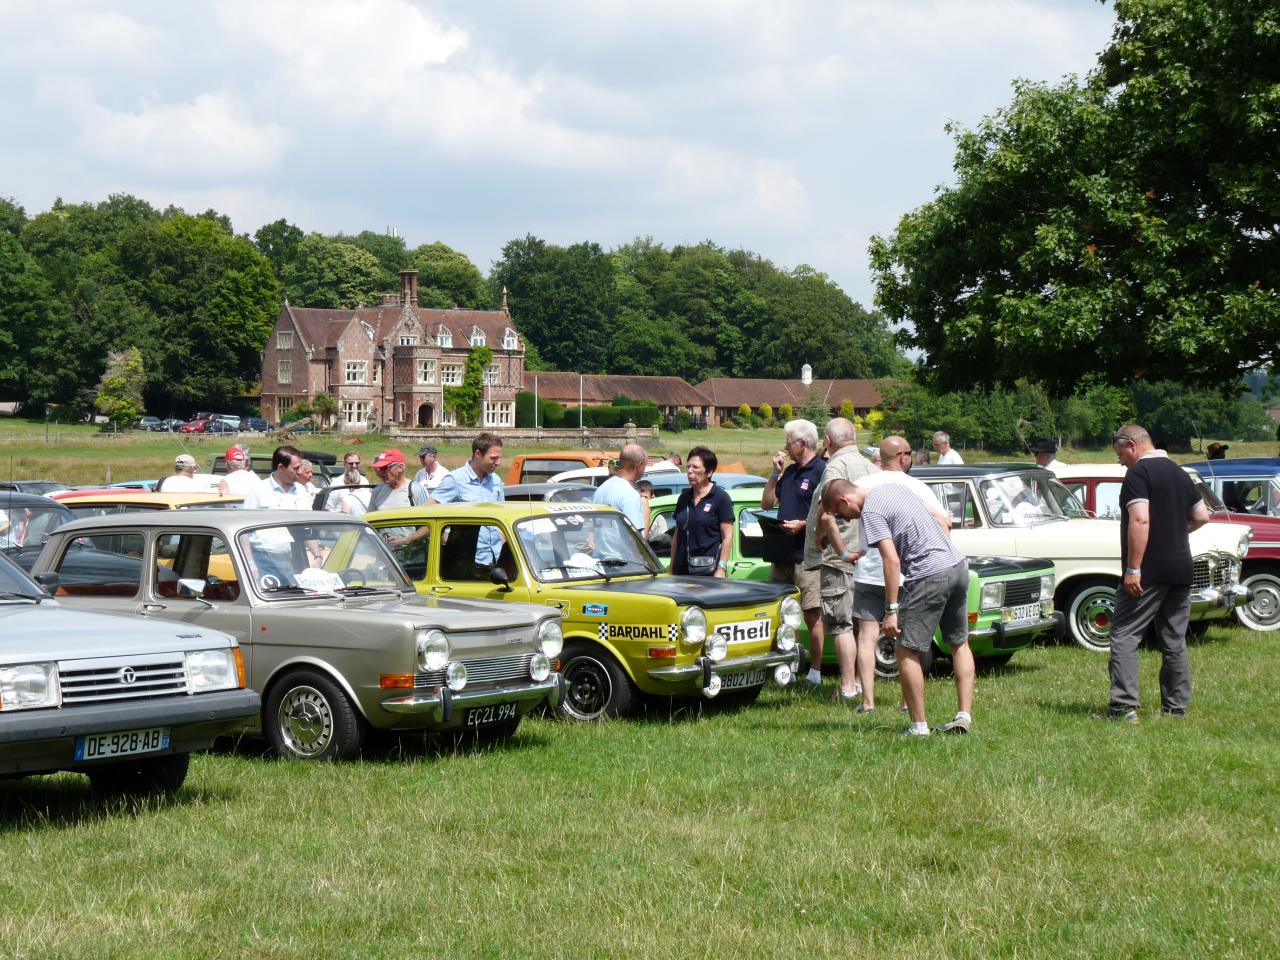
(1159, 507)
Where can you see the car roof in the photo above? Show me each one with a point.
(960, 471)
(1239, 467)
(510, 512)
(13, 498)
(748, 495)
(229, 521)
(542, 489)
(132, 496)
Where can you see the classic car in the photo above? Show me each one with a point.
(118, 699)
(333, 634)
(1012, 509)
(1245, 485)
(594, 476)
(1010, 599)
(665, 484)
(541, 467)
(148, 423)
(549, 492)
(1097, 486)
(26, 520)
(324, 465)
(629, 628)
(37, 487)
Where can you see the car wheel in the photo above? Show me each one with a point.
(308, 717)
(596, 686)
(1263, 611)
(886, 659)
(140, 777)
(1091, 607)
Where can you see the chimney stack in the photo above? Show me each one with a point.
(409, 287)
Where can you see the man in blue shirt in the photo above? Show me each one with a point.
(476, 481)
(619, 491)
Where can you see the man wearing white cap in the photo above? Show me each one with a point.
(239, 479)
(184, 475)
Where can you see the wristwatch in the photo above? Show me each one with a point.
(1134, 570)
(722, 565)
(891, 607)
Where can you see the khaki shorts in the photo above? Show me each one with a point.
(808, 582)
(837, 600)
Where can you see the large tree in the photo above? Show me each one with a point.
(447, 278)
(27, 311)
(1125, 224)
(330, 274)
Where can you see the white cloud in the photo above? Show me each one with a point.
(74, 37)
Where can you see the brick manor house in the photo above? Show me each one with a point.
(389, 364)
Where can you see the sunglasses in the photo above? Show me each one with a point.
(905, 453)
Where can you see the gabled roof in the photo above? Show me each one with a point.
(602, 388)
(731, 392)
(321, 328)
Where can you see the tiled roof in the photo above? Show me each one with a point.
(322, 328)
(602, 388)
(730, 392)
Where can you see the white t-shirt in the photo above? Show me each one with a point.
(870, 567)
(269, 495)
(951, 456)
(180, 483)
(432, 480)
(241, 482)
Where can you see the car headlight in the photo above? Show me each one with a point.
(785, 639)
(791, 613)
(716, 648)
(433, 649)
(455, 677)
(209, 670)
(1244, 543)
(693, 625)
(993, 595)
(1046, 587)
(29, 686)
(539, 667)
(551, 638)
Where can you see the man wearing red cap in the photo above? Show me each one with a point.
(239, 479)
(396, 489)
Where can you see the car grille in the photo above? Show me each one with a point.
(1204, 576)
(1019, 592)
(117, 680)
(491, 670)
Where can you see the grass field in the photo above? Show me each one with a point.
(792, 828)
(80, 454)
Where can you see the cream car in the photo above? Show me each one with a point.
(1010, 509)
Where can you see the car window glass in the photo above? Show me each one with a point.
(1106, 497)
(23, 526)
(107, 565)
(288, 560)
(957, 500)
(659, 533)
(469, 550)
(569, 546)
(195, 556)
(1244, 496)
(412, 556)
(540, 471)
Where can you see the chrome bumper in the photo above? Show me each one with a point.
(1004, 631)
(1213, 602)
(702, 668)
(442, 704)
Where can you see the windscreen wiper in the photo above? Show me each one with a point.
(14, 595)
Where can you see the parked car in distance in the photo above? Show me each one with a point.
(598, 475)
(117, 698)
(36, 487)
(1010, 598)
(549, 492)
(334, 636)
(1244, 485)
(665, 484)
(629, 628)
(148, 423)
(26, 520)
(324, 465)
(255, 424)
(230, 419)
(194, 426)
(169, 425)
(1012, 509)
(1097, 486)
(541, 467)
(103, 503)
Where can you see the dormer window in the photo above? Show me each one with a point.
(509, 340)
(477, 337)
(444, 336)
(408, 341)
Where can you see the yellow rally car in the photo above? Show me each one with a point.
(629, 628)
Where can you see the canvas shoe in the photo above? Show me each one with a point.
(909, 732)
(958, 725)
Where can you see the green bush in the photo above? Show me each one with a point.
(728, 424)
(684, 419)
(552, 412)
(766, 413)
(785, 412)
(756, 420)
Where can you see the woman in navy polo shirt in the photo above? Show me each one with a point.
(703, 520)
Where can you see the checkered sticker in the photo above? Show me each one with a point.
(627, 631)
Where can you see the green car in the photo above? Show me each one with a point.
(1010, 598)
(630, 630)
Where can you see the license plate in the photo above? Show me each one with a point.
(493, 713)
(748, 678)
(1028, 611)
(122, 743)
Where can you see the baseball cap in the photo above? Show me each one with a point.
(234, 453)
(184, 460)
(423, 451)
(387, 457)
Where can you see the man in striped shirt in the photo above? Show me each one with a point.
(935, 586)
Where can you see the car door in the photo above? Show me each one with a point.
(971, 529)
(454, 570)
(102, 571)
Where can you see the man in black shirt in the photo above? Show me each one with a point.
(1159, 507)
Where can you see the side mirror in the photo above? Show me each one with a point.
(190, 588)
(499, 577)
(49, 580)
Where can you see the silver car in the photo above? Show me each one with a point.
(334, 636)
(116, 698)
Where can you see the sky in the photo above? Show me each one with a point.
(794, 129)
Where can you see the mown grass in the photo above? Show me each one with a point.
(792, 828)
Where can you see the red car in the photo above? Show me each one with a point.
(1097, 486)
(194, 426)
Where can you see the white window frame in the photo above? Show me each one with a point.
(451, 374)
(284, 339)
(284, 371)
(510, 341)
(498, 413)
(407, 341)
(448, 418)
(444, 337)
(426, 371)
(355, 413)
(493, 374)
(477, 337)
(377, 372)
(357, 371)
(284, 405)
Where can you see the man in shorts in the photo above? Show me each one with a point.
(915, 549)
